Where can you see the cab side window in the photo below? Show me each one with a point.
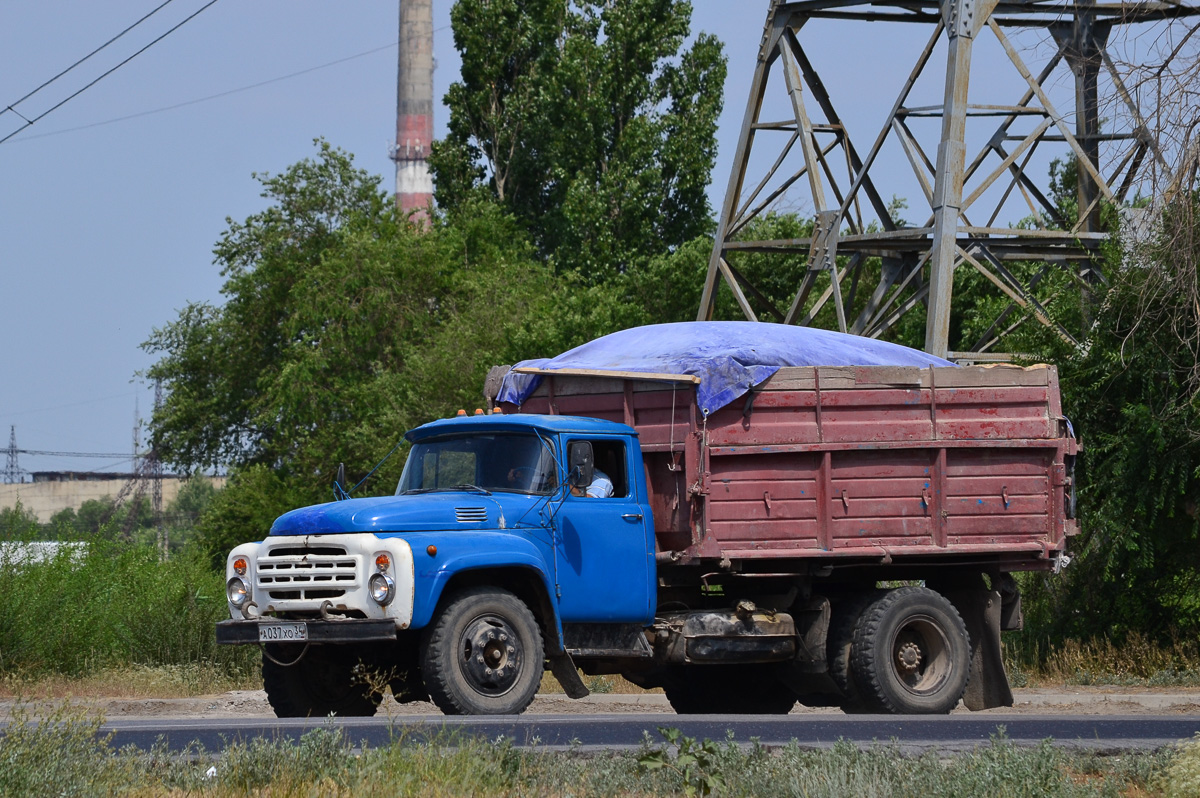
(610, 461)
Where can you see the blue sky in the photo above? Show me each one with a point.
(107, 227)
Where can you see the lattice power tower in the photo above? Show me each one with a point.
(983, 200)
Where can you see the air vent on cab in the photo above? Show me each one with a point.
(470, 515)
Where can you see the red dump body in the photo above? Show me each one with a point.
(880, 463)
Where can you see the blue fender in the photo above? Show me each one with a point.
(461, 551)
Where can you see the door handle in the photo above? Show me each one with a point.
(632, 516)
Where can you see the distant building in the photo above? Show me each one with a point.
(51, 492)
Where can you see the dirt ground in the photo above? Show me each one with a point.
(253, 704)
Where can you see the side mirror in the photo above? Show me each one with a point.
(581, 464)
(339, 484)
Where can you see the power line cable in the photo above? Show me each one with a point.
(11, 106)
(99, 469)
(190, 17)
(72, 404)
(217, 96)
(41, 453)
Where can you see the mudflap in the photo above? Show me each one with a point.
(980, 608)
(564, 670)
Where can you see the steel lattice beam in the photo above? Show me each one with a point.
(960, 187)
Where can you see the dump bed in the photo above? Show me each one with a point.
(881, 463)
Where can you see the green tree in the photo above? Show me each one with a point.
(344, 325)
(1133, 393)
(18, 523)
(589, 121)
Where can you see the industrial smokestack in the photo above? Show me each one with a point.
(414, 108)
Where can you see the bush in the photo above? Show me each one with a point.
(104, 604)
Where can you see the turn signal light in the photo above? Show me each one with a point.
(382, 562)
(431, 551)
(239, 566)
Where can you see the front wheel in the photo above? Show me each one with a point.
(910, 653)
(483, 655)
(327, 680)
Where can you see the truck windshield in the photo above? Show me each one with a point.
(508, 462)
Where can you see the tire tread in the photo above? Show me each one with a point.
(866, 669)
(439, 682)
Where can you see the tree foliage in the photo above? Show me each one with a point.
(589, 121)
(343, 326)
(1133, 394)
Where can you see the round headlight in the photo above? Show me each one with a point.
(382, 588)
(237, 592)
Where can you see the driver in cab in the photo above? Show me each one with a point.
(601, 486)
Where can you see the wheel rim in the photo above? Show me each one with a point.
(490, 655)
(920, 655)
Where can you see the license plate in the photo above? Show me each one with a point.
(282, 632)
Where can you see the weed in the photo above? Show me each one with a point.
(42, 755)
(322, 753)
(604, 684)
(1182, 779)
(694, 763)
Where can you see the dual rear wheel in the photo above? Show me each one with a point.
(903, 652)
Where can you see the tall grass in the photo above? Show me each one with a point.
(1136, 661)
(68, 757)
(106, 604)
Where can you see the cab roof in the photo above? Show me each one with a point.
(518, 422)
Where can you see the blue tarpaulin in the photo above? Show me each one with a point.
(728, 357)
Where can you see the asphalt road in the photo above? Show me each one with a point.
(625, 731)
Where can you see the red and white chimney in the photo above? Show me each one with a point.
(414, 109)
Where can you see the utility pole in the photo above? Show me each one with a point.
(414, 109)
(154, 473)
(12, 468)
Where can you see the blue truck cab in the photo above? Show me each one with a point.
(489, 561)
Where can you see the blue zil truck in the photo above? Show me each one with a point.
(769, 530)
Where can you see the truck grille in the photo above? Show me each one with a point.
(318, 572)
(467, 515)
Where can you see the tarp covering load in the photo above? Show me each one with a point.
(724, 358)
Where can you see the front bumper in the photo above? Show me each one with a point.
(352, 630)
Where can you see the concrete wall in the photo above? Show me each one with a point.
(44, 499)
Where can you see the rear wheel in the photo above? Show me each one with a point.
(483, 655)
(327, 680)
(725, 690)
(910, 653)
(846, 614)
